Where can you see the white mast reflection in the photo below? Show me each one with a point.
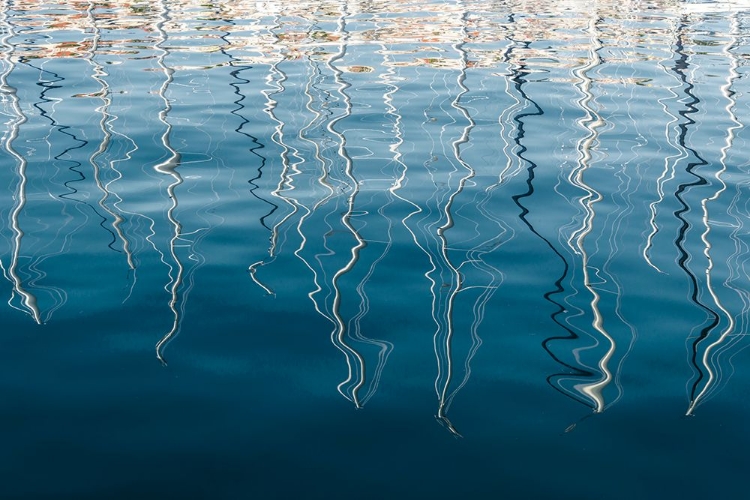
(28, 300)
(275, 84)
(709, 359)
(349, 187)
(445, 374)
(592, 122)
(670, 161)
(168, 167)
(105, 124)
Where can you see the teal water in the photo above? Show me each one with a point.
(374, 249)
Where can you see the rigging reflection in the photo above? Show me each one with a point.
(47, 232)
(275, 185)
(318, 185)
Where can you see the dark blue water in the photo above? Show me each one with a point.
(374, 250)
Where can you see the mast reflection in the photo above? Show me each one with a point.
(367, 132)
(598, 335)
(106, 124)
(591, 123)
(28, 301)
(711, 352)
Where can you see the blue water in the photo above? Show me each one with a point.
(374, 249)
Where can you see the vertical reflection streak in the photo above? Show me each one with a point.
(338, 336)
(168, 167)
(321, 180)
(680, 68)
(670, 163)
(707, 359)
(591, 123)
(444, 398)
(28, 300)
(105, 124)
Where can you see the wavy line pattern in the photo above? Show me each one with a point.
(475, 174)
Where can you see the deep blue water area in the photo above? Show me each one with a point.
(391, 249)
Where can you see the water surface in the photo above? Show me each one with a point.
(374, 249)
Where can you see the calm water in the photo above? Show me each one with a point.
(387, 249)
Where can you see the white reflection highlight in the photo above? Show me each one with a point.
(591, 122)
(168, 168)
(710, 358)
(106, 125)
(28, 301)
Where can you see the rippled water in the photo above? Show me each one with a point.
(374, 249)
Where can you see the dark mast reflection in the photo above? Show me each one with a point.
(59, 237)
(288, 156)
(592, 122)
(691, 102)
(519, 72)
(238, 68)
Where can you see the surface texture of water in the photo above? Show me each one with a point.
(380, 249)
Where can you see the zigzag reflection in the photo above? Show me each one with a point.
(596, 363)
(518, 74)
(275, 85)
(28, 301)
(182, 246)
(375, 132)
(713, 351)
(696, 161)
(45, 238)
(106, 125)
